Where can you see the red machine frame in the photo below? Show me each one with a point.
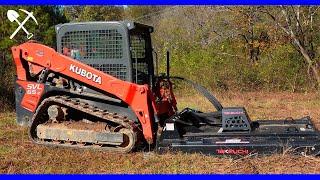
(138, 97)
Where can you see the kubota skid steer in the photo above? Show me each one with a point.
(100, 91)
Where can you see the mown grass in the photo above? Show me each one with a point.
(19, 155)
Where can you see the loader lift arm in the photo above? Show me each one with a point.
(136, 96)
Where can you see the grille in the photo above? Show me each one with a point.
(93, 44)
(138, 46)
(142, 67)
(117, 70)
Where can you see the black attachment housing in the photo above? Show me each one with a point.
(232, 133)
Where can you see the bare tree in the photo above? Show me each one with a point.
(298, 23)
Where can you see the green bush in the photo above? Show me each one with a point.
(279, 69)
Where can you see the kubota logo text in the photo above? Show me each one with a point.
(87, 74)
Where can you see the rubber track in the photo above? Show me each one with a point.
(129, 127)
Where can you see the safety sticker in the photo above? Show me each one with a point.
(169, 126)
(232, 141)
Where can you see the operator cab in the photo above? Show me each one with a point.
(122, 49)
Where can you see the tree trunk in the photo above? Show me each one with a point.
(308, 60)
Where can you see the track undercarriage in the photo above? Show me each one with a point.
(68, 122)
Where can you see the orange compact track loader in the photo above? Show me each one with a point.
(99, 90)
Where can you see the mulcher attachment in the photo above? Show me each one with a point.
(231, 132)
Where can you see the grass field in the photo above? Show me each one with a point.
(19, 155)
